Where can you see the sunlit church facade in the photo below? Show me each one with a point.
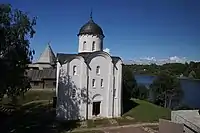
(89, 83)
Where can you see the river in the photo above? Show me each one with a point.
(191, 89)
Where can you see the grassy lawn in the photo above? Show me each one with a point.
(140, 111)
(124, 121)
(32, 95)
(99, 123)
(147, 112)
(37, 115)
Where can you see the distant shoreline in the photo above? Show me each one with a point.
(186, 78)
(182, 78)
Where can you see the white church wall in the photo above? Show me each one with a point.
(87, 46)
(118, 87)
(71, 91)
(63, 98)
(58, 65)
(105, 65)
(75, 76)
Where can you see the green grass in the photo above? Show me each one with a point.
(124, 121)
(37, 117)
(141, 111)
(98, 123)
(32, 95)
(148, 112)
(39, 112)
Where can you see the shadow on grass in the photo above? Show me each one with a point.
(128, 105)
(35, 118)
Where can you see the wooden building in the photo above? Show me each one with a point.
(43, 79)
(43, 72)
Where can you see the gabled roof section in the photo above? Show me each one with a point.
(115, 59)
(47, 57)
(62, 57)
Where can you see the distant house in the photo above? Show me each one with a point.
(46, 60)
(43, 73)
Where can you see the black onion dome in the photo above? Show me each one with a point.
(91, 28)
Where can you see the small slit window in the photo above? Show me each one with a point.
(73, 93)
(93, 45)
(74, 70)
(84, 45)
(101, 82)
(114, 83)
(93, 83)
(98, 70)
(114, 93)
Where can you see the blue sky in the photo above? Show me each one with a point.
(133, 28)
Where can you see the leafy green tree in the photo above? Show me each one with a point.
(16, 28)
(198, 70)
(140, 92)
(129, 82)
(166, 89)
(192, 75)
(174, 69)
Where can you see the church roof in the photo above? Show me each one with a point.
(62, 57)
(47, 56)
(91, 28)
(115, 59)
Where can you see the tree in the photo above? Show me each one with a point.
(140, 92)
(16, 28)
(174, 69)
(198, 70)
(129, 82)
(192, 75)
(166, 89)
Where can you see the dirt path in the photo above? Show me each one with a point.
(108, 129)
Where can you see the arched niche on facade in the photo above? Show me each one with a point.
(98, 53)
(75, 57)
(97, 98)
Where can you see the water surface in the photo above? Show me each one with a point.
(191, 89)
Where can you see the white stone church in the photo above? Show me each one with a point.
(89, 83)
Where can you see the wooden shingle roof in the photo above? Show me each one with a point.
(39, 75)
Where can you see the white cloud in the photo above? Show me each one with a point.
(150, 60)
(177, 59)
(107, 50)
